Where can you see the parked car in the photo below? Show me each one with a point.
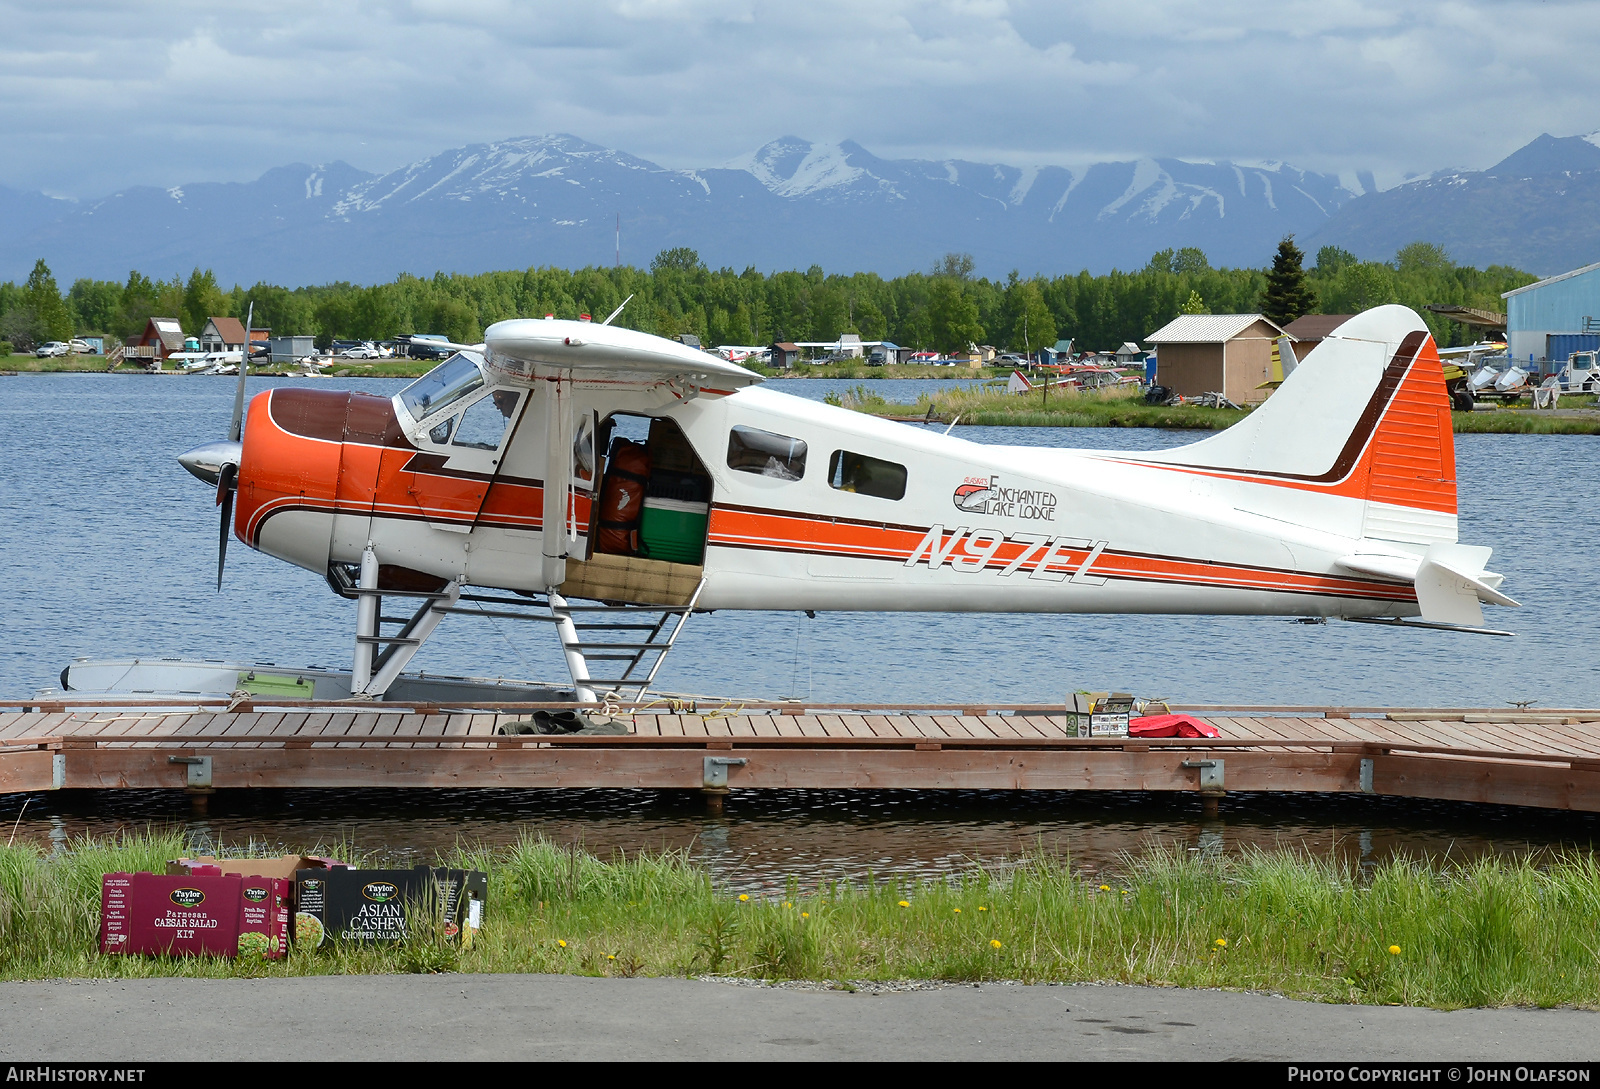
(361, 351)
(52, 348)
(80, 347)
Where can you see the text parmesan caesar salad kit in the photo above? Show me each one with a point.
(202, 912)
(380, 905)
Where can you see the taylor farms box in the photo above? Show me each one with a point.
(1098, 714)
(189, 914)
(380, 905)
(264, 916)
(464, 893)
(283, 866)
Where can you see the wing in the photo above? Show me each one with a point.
(526, 349)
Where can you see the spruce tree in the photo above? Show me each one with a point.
(1287, 294)
(55, 320)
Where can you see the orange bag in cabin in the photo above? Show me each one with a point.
(622, 498)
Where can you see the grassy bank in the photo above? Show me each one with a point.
(1489, 933)
(995, 407)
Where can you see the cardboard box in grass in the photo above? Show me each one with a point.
(199, 912)
(282, 867)
(387, 905)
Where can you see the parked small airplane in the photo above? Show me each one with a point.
(567, 460)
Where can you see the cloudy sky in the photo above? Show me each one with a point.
(99, 94)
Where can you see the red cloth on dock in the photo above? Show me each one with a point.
(1171, 726)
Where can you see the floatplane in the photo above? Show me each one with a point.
(613, 483)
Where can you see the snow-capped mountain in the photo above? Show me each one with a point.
(1538, 209)
(555, 200)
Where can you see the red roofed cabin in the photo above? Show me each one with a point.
(1230, 354)
(161, 337)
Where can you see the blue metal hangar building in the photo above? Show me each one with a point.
(1553, 318)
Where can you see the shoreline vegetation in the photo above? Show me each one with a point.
(1491, 932)
(990, 407)
(995, 407)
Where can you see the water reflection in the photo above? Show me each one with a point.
(764, 839)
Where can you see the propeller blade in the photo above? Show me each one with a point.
(226, 483)
(237, 425)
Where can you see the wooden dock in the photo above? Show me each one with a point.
(1548, 759)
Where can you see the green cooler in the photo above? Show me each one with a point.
(674, 530)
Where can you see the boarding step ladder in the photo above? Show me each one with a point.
(625, 643)
(615, 651)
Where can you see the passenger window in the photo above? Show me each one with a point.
(766, 454)
(867, 476)
(440, 432)
(484, 422)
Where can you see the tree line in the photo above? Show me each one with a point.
(944, 309)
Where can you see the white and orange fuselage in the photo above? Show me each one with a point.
(1335, 498)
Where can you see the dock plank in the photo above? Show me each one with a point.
(809, 726)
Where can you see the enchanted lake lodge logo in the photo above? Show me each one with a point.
(986, 495)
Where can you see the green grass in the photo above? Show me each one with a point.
(1524, 422)
(1486, 933)
(73, 364)
(993, 406)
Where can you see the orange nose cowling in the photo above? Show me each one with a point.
(309, 454)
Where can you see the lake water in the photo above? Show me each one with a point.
(108, 549)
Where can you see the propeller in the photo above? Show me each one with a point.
(218, 462)
(227, 483)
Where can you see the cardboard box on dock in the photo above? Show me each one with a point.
(378, 905)
(199, 913)
(1098, 714)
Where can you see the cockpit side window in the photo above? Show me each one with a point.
(766, 454)
(446, 384)
(485, 421)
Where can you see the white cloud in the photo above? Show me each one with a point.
(100, 95)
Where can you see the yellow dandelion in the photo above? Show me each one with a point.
(983, 909)
(561, 943)
(958, 911)
(994, 942)
(611, 956)
(1222, 943)
(743, 896)
(787, 904)
(905, 903)
(1105, 888)
(805, 915)
(1124, 892)
(1395, 950)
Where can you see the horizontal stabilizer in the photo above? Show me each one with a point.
(1450, 581)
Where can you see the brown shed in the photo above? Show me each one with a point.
(1229, 354)
(1309, 330)
(785, 354)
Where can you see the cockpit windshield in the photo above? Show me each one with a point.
(446, 384)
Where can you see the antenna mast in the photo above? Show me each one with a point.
(619, 239)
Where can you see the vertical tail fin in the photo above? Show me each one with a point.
(1363, 419)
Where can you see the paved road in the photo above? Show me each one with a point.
(568, 1017)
